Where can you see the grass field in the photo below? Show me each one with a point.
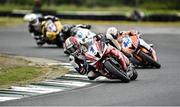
(73, 8)
(8, 21)
(121, 23)
(18, 71)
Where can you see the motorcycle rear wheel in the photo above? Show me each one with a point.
(149, 59)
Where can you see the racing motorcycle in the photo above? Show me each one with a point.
(57, 35)
(52, 31)
(99, 55)
(142, 57)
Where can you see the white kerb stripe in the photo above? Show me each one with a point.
(31, 89)
(8, 98)
(60, 63)
(66, 64)
(72, 75)
(46, 88)
(69, 83)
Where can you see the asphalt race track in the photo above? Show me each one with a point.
(154, 87)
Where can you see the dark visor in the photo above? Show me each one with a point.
(33, 22)
(72, 49)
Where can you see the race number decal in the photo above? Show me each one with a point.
(126, 42)
(92, 51)
(79, 35)
(50, 26)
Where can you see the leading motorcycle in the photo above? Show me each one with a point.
(103, 58)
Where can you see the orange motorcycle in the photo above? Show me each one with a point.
(141, 57)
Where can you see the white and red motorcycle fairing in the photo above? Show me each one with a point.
(107, 60)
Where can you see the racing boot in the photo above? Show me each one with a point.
(40, 42)
(66, 52)
(129, 70)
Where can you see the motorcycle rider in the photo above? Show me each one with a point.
(67, 30)
(51, 28)
(62, 31)
(116, 37)
(37, 26)
(78, 44)
(34, 26)
(75, 45)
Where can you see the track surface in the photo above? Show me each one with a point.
(153, 86)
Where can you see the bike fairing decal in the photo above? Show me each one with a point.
(126, 42)
(51, 27)
(99, 48)
(90, 55)
(79, 35)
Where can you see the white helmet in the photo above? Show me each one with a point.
(32, 19)
(112, 31)
(81, 34)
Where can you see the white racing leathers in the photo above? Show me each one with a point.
(85, 37)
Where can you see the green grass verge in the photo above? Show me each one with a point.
(111, 9)
(17, 71)
(8, 21)
(119, 9)
(10, 7)
(18, 74)
(76, 9)
(121, 23)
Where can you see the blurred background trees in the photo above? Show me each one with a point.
(113, 6)
(131, 9)
(149, 4)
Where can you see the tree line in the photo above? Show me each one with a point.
(150, 4)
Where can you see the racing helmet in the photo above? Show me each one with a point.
(72, 46)
(112, 31)
(81, 34)
(32, 19)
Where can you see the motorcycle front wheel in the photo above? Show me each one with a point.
(109, 66)
(59, 42)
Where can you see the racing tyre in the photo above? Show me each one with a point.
(59, 42)
(149, 59)
(135, 74)
(109, 66)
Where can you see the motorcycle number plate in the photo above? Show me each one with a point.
(51, 27)
(126, 42)
(92, 51)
